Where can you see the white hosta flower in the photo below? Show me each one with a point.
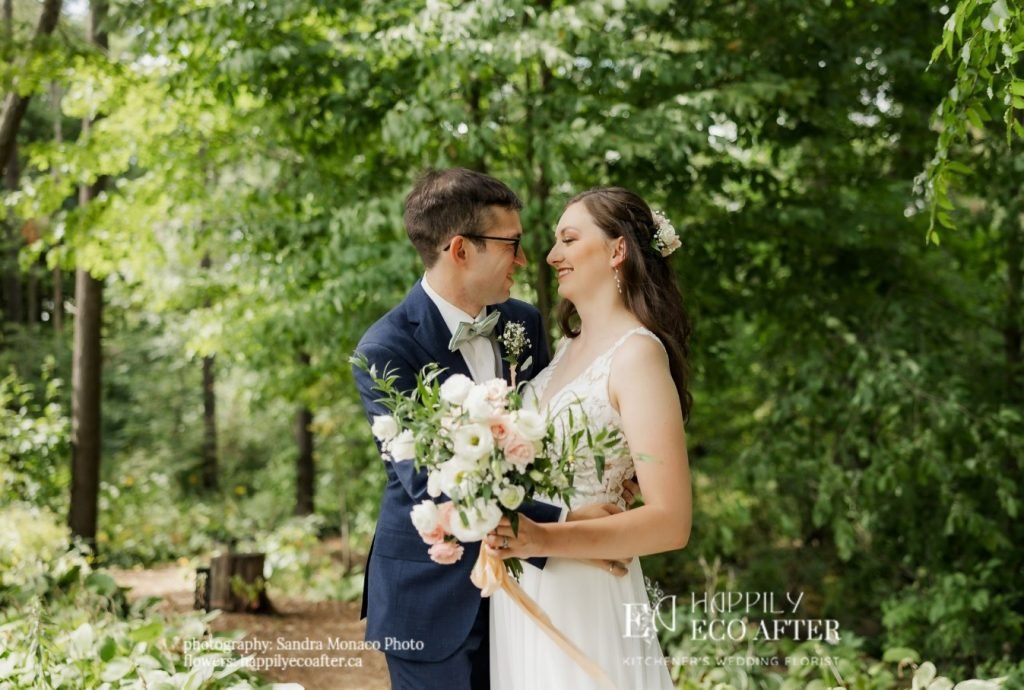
(530, 424)
(384, 427)
(81, 642)
(426, 516)
(482, 516)
(456, 388)
(512, 496)
(402, 447)
(473, 442)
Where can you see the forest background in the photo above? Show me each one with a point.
(202, 214)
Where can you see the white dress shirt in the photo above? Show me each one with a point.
(479, 352)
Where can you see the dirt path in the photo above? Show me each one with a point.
(301, 632)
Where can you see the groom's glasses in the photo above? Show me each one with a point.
(514, 241)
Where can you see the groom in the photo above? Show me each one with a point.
(429, 619)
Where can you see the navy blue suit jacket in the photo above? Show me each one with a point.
(406, 596)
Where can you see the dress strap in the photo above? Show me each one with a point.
(643, 330)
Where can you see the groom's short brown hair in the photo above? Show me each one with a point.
(450, 202)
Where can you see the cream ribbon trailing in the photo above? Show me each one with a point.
(489, 576)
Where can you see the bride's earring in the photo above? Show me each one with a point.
(618, 283)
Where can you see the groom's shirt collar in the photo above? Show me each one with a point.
(480, 354)
(451, 314)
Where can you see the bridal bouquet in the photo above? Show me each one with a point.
(481, 448)
(488, 454)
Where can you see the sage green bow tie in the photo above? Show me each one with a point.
(467, 331)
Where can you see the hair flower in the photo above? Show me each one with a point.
(665, 240)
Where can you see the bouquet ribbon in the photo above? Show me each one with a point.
(489, 575)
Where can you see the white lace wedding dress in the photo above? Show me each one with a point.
(586, 603)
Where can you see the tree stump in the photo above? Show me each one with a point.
(236, 583)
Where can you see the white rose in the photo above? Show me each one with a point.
(456, 388)
(512, 496)
(478, 404)
(434, 484)
(426, 516)
(384, 427)
(483, 516)
(402, 447)
(473, 442)
(497, 390)
(530, 424)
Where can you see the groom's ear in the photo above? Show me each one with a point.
(457, 249)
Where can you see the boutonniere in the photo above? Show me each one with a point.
(515, 341)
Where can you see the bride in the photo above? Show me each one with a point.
(625, 366)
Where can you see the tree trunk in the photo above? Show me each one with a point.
(1013, 328)
(13, 292)
(32, 295)
(210, 480)
(304, 470)
(8, 20)
(236, 583)
(86, 369)
(15, 105)
(540, 191)
(58, 303)
(87, 362)
(58, 278)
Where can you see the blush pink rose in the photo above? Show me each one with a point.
(446, 552)
(500, 428)
(434, 536)
(444, 520)
(518, 450)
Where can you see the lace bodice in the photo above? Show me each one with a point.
(588, 392)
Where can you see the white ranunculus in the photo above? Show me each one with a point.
(434, 484)
(384, 427)
(473, 442)
(402, 447)
(456, 388)
(478, 404)
(530, 424)
(512, 496)
(483, 516)
(426, 516)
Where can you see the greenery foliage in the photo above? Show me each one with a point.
(859, 411)
(64, 624)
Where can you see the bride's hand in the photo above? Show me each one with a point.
(529, 542)
(504, 543)
(618, 568)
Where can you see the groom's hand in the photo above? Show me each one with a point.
(630, 493)
(618, 568)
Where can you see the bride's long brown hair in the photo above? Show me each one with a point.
(649, 288)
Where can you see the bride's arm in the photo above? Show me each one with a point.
(641, 385)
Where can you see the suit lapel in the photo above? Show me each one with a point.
(498, 330)
(431, 332)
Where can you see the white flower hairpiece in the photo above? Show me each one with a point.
(665, 240)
